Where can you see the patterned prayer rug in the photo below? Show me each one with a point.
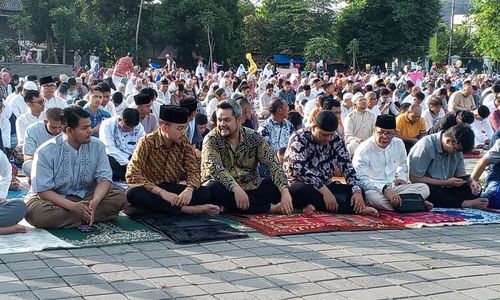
(473, 155)
(421, 219)
(121, 231)
(275, 225)
(473, 216)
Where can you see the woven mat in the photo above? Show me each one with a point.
(471, 215)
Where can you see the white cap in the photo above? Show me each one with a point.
(357, 95)
(347, 96)
(30, 86)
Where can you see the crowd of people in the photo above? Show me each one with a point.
(207, 142)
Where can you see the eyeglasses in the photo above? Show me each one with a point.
(386, 133)
(38, 102)
(51, 86)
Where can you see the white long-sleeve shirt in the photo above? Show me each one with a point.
(358, 125)
(5, 175)
(430, 119)
(377, 167)
(119, 145)
(23, 122)
(478, 127)
(18, 105)
(5, 128)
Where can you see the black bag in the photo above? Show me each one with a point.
(411, 203)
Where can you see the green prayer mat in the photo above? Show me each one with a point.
(235, 224)
(121, 231)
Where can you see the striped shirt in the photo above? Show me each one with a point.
(156, 161)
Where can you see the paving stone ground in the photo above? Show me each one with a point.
(461, 262)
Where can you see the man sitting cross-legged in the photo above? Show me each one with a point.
(310, 159)
(437, 160)
(71, 178)
(158, 164)
(230, 156)
(380, 163)
(11, 211)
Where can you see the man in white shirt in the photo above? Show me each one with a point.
(483, 132)
(5, 128)
(120, 135)
(434, 113)
(220, 95)
(265, 100)
(36, 106)
(303, 98)
(346, 106)
(16, 100)
(47, 89)
(372, 103)
(106, 97)
(38, 133)
(358, 124)
(11, 211)
(380, 163)
(163, 93)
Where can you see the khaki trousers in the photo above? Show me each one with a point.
(379, 201)
(45, 214)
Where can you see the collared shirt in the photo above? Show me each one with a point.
(239, 167)
(150, 123)
(156, 161)
(276, 134)
(119, 144)
(5, 175)
(59, 167)
(36, 134)
(22, 123)
(377, 166)
(311, 163)
(408, 129)
(289, 97)
(96, 119)
(430, 118)
(359, 125)
(427, 158)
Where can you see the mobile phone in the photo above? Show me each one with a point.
(85, 228)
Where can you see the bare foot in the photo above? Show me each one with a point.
(476, 203)
(309, 209)
(208, 209)
(369, 211)
(428, 206)
(275, 208)
(13, 229)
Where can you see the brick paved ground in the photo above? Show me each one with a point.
(440, 263)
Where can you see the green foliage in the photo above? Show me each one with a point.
(5, 48)
(387, 29)
(319, 48)
(461, 44)
(486, 18)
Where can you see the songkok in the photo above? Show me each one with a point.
(347, 96)
(30, 86)
(357, 96)
(173, 114)
(46, 80)
(386, 122)
(326, 120)
(189, 103)
(31, 78)
(140, 99)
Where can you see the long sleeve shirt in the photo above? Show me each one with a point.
(377, 166)
(358, 126)
(59, 167)
(156, 161)
(239, 167)
(5, 175)
(276, 134)
(458, 101)
(308, 162)
(119, 144)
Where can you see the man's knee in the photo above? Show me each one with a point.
(12, 212)
(45, 214)
(27, 168)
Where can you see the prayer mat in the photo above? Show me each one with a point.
(33, 240)
(471, 215)
(233, 223)
(276, 225)
(121, 231)
(473, 155)
(189, 229)
(17, 194)
(421, 219)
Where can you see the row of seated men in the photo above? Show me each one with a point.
(71, 173)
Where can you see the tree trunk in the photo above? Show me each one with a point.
(19, 41)
(64, 51)
(49, 47)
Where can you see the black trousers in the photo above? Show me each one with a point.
(118, 170)
(304, 194)
(450, 197)
(141, 198)
(260, 198)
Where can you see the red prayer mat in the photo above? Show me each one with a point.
(275, 225)
(473, 155)
(421, 219)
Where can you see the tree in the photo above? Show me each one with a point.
(20, 23)
(387, 29)
(318, 48)
(461, 42)
(64, 26)
(486, 18)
